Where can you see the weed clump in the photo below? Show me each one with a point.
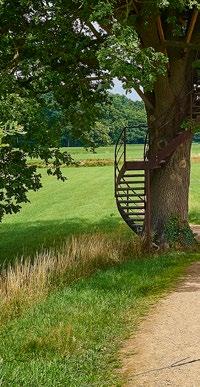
(179, 234)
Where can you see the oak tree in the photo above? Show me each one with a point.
(75, 48)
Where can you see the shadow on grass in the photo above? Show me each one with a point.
(24, 239)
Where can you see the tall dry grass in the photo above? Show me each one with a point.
(30, 280)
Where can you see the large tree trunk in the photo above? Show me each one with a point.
(170, 190)
(170, 183)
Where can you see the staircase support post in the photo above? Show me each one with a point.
(148, 206)
(125, 145)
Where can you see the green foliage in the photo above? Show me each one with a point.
(43, 87)
(196, 66)
(21, 135)
(194, 126)
(61, 57)
(178, 233)
(14, 184)
(118, 112)
(122, 56)
(121, 112)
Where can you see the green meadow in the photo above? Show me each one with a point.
(83, 204)
(72, 336)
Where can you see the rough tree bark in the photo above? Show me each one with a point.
(170, 183)
(171, 107)
(170, 190)
(175, 32)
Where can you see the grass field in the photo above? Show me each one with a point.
(107, 153)
(72, 335)
(133, 151)
(101, 153)
(83, 204)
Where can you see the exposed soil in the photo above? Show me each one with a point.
(196, 230)
(166, 349)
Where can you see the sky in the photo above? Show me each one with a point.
(118, 89)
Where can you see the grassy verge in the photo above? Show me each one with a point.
(72, 337)
(27, 281)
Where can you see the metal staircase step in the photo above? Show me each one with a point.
(134, 175)
(131, 189)
(132, 182)
(131, 201)
(133, 207)
(135, 220)
(139, 214)
(135, 165)
(130, 195)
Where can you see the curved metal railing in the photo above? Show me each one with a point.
(119, 164)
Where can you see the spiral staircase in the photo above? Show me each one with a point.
(132, 178)
(131, 188)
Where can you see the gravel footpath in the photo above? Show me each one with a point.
(166, 349)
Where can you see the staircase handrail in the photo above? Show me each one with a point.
(123, 136)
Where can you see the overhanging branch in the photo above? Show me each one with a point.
(94, 30)
(135, 7)
(160, 29)
(192, 25)
(144, 98)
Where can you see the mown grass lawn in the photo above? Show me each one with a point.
(102, 153)
(83, 204)
(134, 151)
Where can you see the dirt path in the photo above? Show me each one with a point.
(196, 230)
(166, 350)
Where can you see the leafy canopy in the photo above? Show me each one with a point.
(62, 56)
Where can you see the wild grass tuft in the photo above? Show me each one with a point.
(30, 280)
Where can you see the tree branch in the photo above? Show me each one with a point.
(94, 30)
(144, 97)
(135, 7)
(107, 28)
(160, 29)
(192, 25)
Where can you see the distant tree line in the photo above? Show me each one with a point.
(117, 113)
